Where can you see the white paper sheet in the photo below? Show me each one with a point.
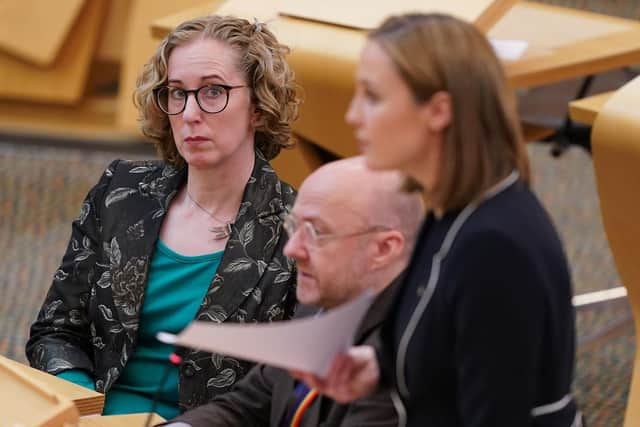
(509, 50)
(308, 344)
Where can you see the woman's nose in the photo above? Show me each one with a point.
(192, 110)
(352, 114)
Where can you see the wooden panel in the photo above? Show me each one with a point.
(64, 81)
(295, 164)
(562, 26)
(92, 119)
(114, 30)
(88, 402)
(615, 141)
(585, 110)
(120, 420)
(160, 27)
(25, 402)
(368, 14)
(533, 133)
(35, 30)
(565, 43)
(139, 46)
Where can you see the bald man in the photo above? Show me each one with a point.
(350, 229)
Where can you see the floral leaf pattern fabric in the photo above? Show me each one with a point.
(89, 319)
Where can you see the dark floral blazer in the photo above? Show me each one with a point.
(89, 319)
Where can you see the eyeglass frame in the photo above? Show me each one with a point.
(317, 237)
(227, 89)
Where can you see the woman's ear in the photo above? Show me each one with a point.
(255, 117)
(438, 111)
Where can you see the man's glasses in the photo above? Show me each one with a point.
(314, 238)
(210, 98)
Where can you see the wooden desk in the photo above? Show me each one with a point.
(586, 109)
(616, 156)
(28, 31)
(25, 401)
(64, 81)
(563, 43)
(119, 420)
(87, 402)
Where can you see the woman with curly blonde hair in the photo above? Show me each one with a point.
(196, 235)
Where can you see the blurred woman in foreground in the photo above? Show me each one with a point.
(482, 333)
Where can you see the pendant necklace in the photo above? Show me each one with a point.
(219, 232)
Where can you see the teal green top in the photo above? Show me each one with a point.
(175, 289)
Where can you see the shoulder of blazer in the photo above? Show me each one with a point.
(265, 192)
(150, 179)
(136, 191)
(133, 171)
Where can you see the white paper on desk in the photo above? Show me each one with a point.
(509, 50)
(307, 344)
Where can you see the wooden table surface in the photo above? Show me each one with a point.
(87, 401)
(20, 19)
(64, 81)
(586, 109)
(565, 43)
(129, 420)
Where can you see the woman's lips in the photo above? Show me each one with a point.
(303, 276)
(195, 140)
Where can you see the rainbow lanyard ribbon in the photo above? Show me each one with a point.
(302, 407)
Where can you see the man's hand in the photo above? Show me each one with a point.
(352, 375)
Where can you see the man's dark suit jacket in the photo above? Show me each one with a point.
(262, 398)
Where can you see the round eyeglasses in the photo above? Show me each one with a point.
(211, 98)
(314, 238)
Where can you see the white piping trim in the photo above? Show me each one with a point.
(425, 299)
(551, 407)
(577, 421)
(400, 409)
(434, 276)
(599, 296)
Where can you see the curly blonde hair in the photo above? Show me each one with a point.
(262, 61)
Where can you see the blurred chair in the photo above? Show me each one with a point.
(616, 157)
(68, 68)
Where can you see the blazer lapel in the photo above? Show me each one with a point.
(282, 402)
(282, 393)
(250, 248)
(378, 310)
(136, 232)
(370, 323)
(284, 386)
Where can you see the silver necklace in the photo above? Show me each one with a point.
(219, 232)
